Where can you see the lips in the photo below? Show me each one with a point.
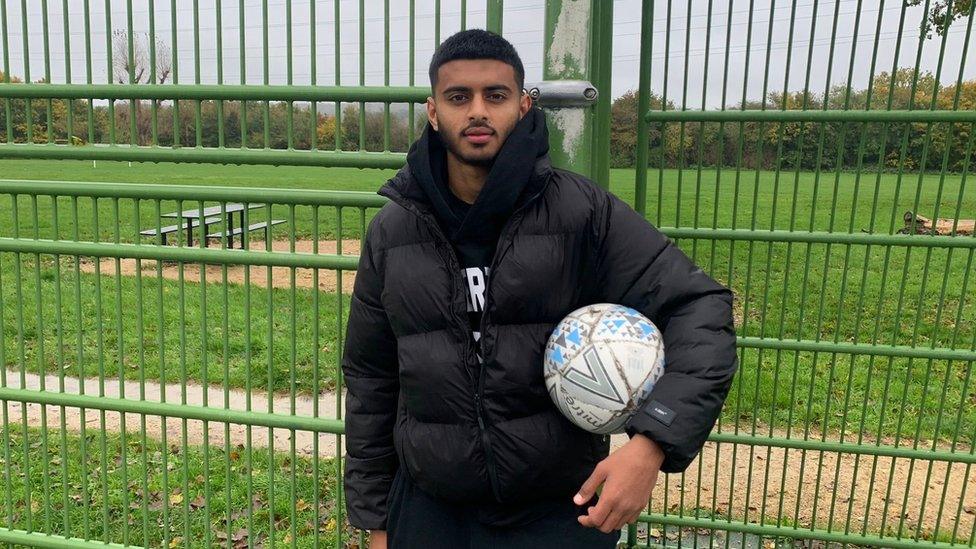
(478, 136)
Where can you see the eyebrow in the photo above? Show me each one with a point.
(492, 88)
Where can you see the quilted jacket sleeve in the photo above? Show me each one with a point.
(369, 365)
(639, 267)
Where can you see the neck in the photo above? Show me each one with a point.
(465, 180)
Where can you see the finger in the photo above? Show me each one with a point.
(599, 513)
(589, 519)
(590, 486)
(585, 519)
(612, 522)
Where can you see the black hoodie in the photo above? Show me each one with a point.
(473, 229)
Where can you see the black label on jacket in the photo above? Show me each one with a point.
(660, 412)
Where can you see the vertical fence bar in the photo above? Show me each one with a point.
(177, 125)
(290, 111)
(267, 78)
(242, 49)
(219, 103)
(29, 113)
(337, 50)
(141, 353)
(269, 345)
(60, 364)
(5, 43)
(411, 39)
(643, 106)
(100, 354)
(340, 334)
(601, 55)
(8, 504)
(198, 106)
(130, 74)
(88, 72)
(316, 394)
(153, 77)
(292, 374)
(362, 73)
(109, 68)
(248, 383)
(313, 77)
(386, 73)
(495, 9)
(70, 103)
(75, 218)
(42, 375)
(47, 69)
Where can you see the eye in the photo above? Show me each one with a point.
(456, 98)
(496, 96)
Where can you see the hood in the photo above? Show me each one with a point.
(519, 172)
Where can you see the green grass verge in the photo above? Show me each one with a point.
(138, 491)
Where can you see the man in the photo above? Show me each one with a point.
(484, 247)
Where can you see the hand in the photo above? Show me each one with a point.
(628, 475)
(377, 539)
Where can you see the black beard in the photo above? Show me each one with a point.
(452, 146)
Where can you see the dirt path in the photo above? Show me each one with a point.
(726, 481)
(280, 276)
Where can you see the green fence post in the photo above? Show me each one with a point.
(578, 36)
(494, 17)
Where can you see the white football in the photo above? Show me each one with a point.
(601, 362)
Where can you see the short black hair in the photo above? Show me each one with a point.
(476, 44)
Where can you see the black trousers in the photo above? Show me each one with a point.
(418, 520)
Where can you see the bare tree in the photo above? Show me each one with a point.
(139, 66)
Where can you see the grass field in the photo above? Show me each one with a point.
(836, 293)
(144, 493)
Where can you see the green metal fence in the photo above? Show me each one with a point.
(853, 415)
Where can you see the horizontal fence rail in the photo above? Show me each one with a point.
(775, 115)
(326, 159)
(225, 92)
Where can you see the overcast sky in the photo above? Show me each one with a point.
(685, 58)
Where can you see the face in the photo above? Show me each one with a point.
(475, 106)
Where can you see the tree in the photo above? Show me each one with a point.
(375, 128)
(623, 129)
(139, 64)
(139, 67)
(942, 13)
(46, 119)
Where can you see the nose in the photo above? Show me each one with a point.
(478, 109)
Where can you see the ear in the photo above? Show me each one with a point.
(525, 103)
(432, 113)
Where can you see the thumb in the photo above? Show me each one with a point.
(589, 487)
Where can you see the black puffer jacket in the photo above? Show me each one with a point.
(471, 432)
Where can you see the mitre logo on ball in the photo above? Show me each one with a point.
(601, 363)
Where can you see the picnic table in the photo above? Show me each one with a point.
(195, 217)
(915, 223)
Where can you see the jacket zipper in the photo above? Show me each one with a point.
(479, 393)
(503, 239)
